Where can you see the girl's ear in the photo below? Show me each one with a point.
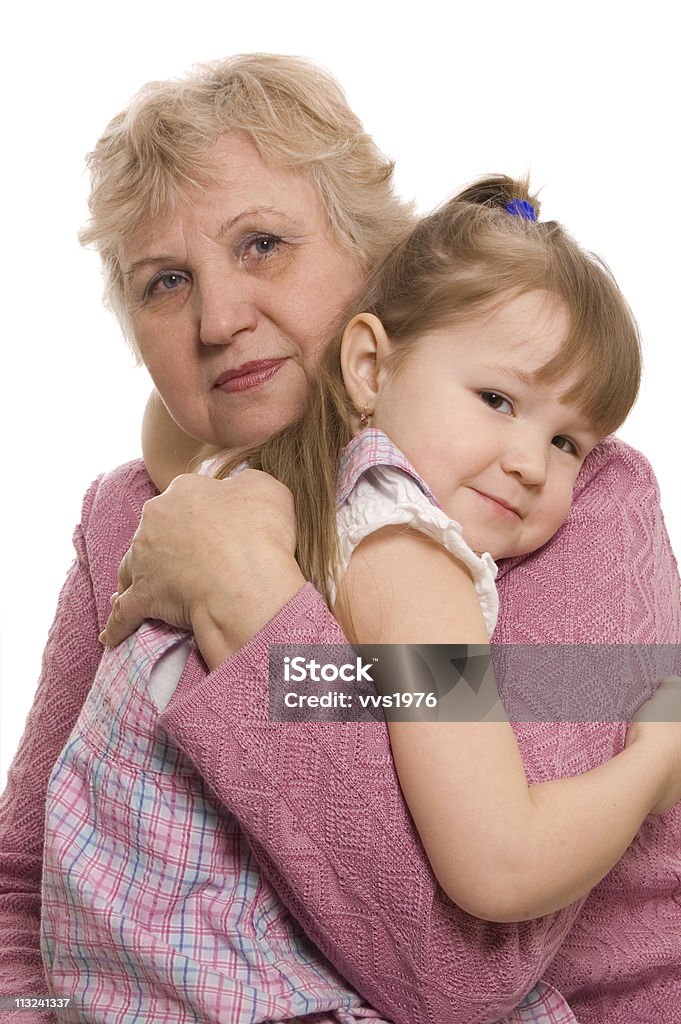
(364, 348)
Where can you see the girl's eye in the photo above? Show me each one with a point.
(498, 402)
(565, 444)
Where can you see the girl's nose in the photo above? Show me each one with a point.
(526, 460)
(227, 308)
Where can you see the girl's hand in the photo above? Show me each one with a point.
(658, 723)
(212, 556)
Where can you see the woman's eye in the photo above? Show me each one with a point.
(166, 282)
(265, 245)
(496, 401)
(260, 247)
(565, 444)
(170, 281)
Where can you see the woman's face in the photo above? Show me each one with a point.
(231, 297)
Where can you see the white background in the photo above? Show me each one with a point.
(584, 96)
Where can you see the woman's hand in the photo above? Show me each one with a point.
(212, 556)
(658, 723)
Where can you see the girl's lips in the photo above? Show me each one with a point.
(499, 506)
(249, 375)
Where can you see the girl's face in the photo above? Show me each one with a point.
(500, 451)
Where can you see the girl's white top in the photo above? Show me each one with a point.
(379, 487)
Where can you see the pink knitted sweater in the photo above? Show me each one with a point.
(321, 806)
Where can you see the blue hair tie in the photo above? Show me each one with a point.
(521, 208)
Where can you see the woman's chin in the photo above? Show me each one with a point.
(250, 430)
(254, 418)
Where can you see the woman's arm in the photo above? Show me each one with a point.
(69, 663)
(500, 849)
(70, 660)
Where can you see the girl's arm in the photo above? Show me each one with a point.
(168, 451)
(501, 850)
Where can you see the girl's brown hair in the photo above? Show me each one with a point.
(464, 259)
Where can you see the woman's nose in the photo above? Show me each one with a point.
(226, 308)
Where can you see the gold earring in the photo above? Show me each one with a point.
(365, 417)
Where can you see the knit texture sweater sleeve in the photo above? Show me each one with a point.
(321, 805)
(608, 576)
(110, 514)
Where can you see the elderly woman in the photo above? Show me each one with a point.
(235, 213)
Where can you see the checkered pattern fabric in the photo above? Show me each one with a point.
(371, 448)
(543, 1005)
(153, 905)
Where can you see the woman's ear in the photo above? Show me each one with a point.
(364, 348)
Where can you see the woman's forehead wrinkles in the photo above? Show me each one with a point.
(164, 226)
(256, 211)
(148, 261)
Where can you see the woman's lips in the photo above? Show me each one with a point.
(249, 375)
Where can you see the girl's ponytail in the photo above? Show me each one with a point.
(500, 191)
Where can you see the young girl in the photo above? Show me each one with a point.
(478, 360)
(485, 360)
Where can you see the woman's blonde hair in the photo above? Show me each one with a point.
(297, 116)
(464, 259)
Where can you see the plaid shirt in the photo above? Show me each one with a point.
(153, 905)
(154, 908)
(543, 1005)
(369, 448)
